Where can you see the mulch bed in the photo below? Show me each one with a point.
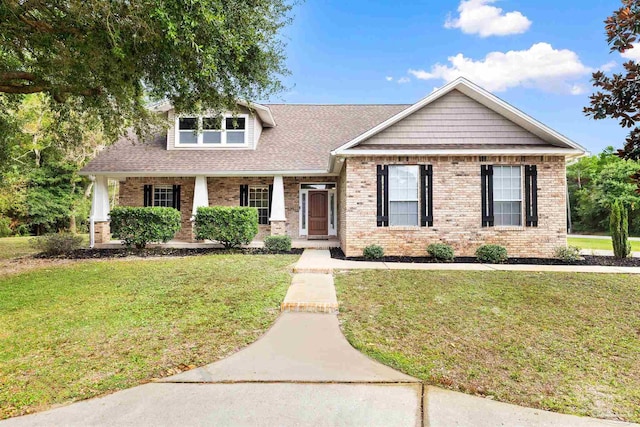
(587, 260)
(98, 253)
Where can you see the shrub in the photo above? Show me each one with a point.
(567, 253)
(492, 254)
(57, 244)
(22, 230)
(5, 226)
(441, 252)
(373, 252)
(139, 226)
(277, 243)
(231, 226)
(619, 227)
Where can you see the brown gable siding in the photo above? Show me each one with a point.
(454, 119)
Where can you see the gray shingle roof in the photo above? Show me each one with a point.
(301, 141)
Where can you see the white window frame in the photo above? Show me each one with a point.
(416, 199)
(303, 215)
(495, 199)
(223, 132)
(261, 188)
(168, 188)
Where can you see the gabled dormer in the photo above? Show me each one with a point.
(228, 131)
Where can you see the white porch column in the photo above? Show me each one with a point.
(200, 195)
(100, 210)
(278, 218)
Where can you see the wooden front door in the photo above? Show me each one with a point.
(318, 217)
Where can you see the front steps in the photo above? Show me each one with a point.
(311, 293)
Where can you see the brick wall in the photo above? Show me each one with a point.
(456, 207)
(223, 191)
(132, 194)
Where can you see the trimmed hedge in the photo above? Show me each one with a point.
(56, 244)
(277, 243)
(140, 226)
(441, 252)
(231, 226)
(492, 254)
(373, 252)
(567, 253)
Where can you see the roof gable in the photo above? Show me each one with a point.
(471, 102)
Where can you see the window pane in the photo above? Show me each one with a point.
(211, 137)
(259, 198)
(403, 183)
(188, 137)
(235, 137)
(188, 123)
(403, 213)
(507, 213)
(163, 196)
(304, 211)
(235, 123)
(212, 123)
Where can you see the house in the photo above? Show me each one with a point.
(460, 166)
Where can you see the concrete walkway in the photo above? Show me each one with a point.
(301, 372)
(593, 236)
(320, 261)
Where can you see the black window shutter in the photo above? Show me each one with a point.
(382, 196)
(148, 195)
(486, 172)
(270, 198)
(426, 195)
(176, 197)
(531, 195)
(244, 195)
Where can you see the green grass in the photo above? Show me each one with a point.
(599, 244)
(74, 332)
(14, 247)
(555, 341)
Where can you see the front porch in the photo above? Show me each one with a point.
(304, 208)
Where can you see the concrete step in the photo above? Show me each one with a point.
(311, 293)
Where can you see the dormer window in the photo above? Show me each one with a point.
(215, 131)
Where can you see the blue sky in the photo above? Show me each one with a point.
(541, 57)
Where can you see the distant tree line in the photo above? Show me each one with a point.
(595, 183)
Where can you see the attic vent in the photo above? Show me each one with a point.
(483, 158)
(523, 159)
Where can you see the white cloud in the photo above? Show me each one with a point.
(403, 80)
(389, 78)
(633, 54)
(540, 66)
(478, 17)
(608, 66)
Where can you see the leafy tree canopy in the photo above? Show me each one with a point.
(619, 95)
(109, 57)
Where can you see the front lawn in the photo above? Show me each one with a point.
(598, 244)
(556, 341)
(15, 247)
(70, 333)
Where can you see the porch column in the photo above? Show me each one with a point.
(278, 219)
(200, 195)
(100, 210)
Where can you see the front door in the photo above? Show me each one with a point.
(318, 217)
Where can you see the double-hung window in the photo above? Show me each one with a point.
(163, 196)
(507, 195)
(403, 195)
(259, 199)
(211, 131)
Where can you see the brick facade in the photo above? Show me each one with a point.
(223, 191)
(456, 207)
(132, 194)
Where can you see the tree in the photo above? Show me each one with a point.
(595, 183)
(109, 58)
(619, 94)
(619, 228)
